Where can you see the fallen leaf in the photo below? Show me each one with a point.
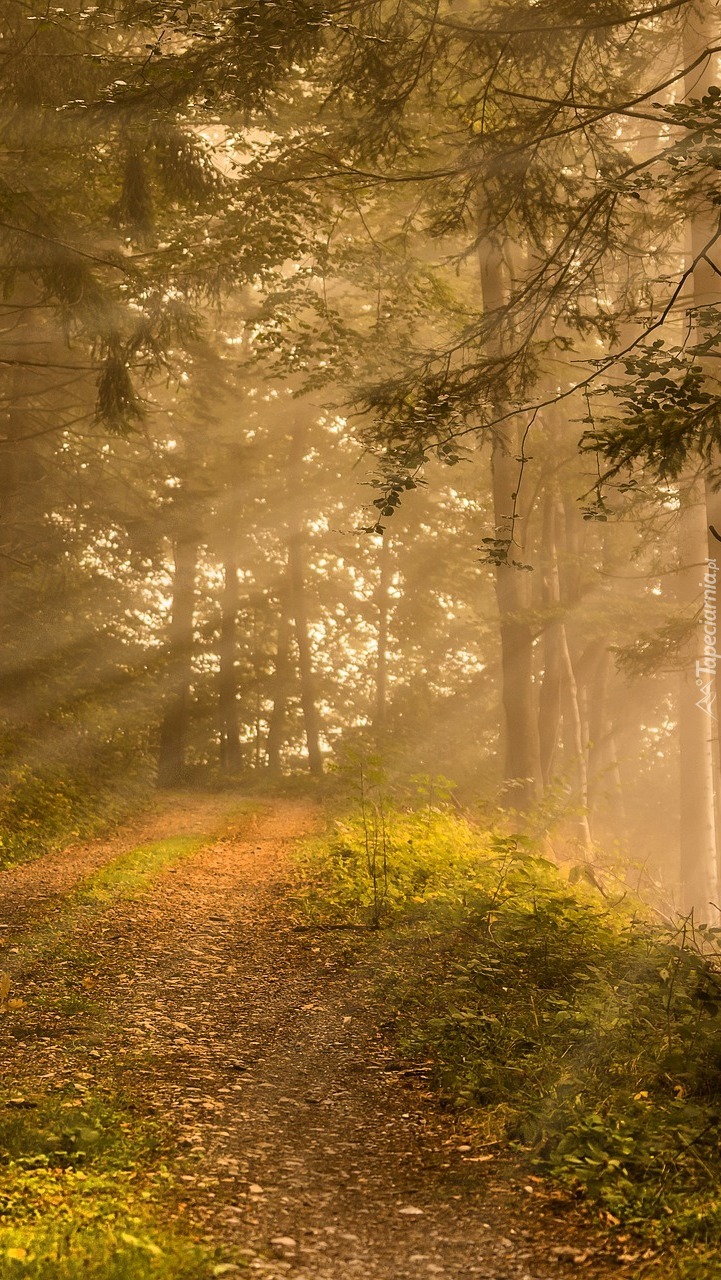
(147, 1245)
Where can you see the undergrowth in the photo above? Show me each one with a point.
(562, 1016)
(42, 811)
(85, 1192)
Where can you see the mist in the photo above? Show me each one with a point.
(360, 523)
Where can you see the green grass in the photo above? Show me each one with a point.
(128, 876)
(562, 1018)
(133, 872)
(85, 1191)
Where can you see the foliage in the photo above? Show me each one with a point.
(669, 410)
(572, 1025)
(40, 811)
(381, 864)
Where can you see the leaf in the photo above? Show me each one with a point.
(147, 1245)
(5, 984)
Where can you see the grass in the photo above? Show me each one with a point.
(86, 1191)
(561, 1016)
(132, 873)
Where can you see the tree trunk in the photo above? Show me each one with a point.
(383, 603)
(522, 763)
(598, 736)
(19, 466)
(697, 725)
(230, 752)
(176, 712)
(521, 742)
(281, 685)
(699, 875)
(549, 710)
(572, 713)
(296, 580)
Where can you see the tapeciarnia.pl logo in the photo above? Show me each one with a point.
(706, 666)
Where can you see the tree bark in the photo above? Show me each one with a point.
(699, 872)
(549, 710)
(697, 725)
(19, 465)
(598, 735)
(176, 713)
(572, 712)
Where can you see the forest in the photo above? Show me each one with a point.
(360, 522)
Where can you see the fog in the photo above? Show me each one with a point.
(363, 408)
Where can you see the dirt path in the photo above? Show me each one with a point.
(29, 890)
(260, 1041)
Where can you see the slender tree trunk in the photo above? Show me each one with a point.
(281, 686)
(521, 742)
(699, 873)
(230, 751)
(572, 713)
(616, 789)
(298, 599)
(522, 763)
(257, 736)
(697, 725)
(383, 603)
(18, 463)
(176, 712)
(597, 715)
(549, 711)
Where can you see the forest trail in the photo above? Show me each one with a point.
(305, 1143)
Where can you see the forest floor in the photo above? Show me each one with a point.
(180, 978)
